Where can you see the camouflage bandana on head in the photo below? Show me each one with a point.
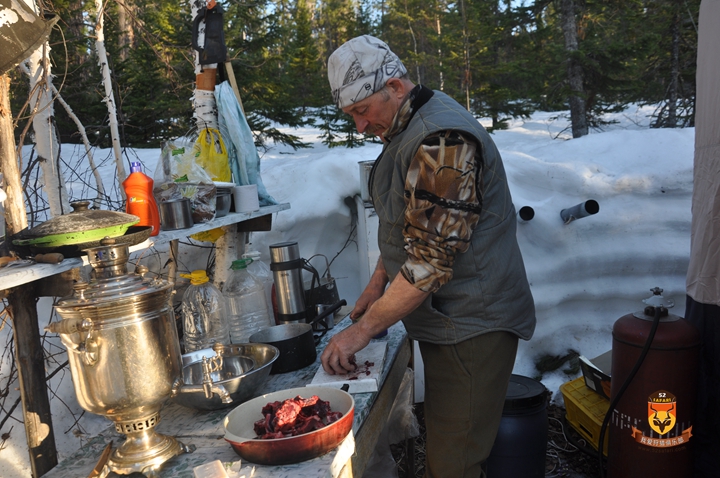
(360, 67)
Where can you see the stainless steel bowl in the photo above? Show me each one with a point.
(242, 385)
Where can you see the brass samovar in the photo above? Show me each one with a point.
(125, 356)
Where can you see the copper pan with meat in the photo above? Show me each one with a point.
(321, 425)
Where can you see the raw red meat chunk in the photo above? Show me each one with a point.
(294, 416)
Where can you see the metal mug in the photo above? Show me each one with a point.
(329, 319)
(176, 214)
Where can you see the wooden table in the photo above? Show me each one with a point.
(205, 430)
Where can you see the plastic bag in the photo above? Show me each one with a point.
(178, 176)
(242, 153)
(211, 155)
(209, 236)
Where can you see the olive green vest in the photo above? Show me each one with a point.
(489, 290)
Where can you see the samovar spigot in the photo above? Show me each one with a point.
(209, 366)
(209, 387)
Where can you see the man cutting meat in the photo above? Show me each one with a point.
(448, 252)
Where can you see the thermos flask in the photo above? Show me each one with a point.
(286, 266)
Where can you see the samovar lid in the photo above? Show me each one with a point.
(112, 288)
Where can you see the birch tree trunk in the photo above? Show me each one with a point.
(109, 99)
(204, 106)
(46, 141)
(231, 244)
(88, 149)
(578, 116)
(15, 215)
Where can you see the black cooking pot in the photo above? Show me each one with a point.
(295, 342)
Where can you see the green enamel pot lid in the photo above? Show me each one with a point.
(81, 225)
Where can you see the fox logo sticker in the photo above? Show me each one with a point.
(662, 411)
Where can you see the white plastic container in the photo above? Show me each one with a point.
(214, 469)
(204, 314)
(247, 308)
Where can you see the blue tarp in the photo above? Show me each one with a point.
(242, 153)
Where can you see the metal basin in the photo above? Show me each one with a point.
(238, 376)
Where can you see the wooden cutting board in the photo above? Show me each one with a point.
(364, 379)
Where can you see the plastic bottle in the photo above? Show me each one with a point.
(247, 307)
(140, 200)
(261, 271)
(204, 313)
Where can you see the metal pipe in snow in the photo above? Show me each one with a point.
(584, 209)
(525, 214)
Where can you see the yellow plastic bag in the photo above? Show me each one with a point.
(209, 236)
(211, 155)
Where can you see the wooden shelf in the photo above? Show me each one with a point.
(14, 276)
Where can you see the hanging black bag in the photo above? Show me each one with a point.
(214, 50)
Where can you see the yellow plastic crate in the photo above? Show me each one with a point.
(585, 411)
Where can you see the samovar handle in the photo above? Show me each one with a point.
(87, 347)
(69, 326)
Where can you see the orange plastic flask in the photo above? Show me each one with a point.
(140, 200)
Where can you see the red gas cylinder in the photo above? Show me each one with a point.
(651, 426)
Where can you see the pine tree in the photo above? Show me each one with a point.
(305, 67)
(503, 59)
(154, 81)
(256, 36)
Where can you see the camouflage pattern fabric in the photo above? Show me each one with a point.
(443, 199)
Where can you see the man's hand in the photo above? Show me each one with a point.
(380, 310)
(339, 354)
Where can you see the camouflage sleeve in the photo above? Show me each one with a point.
(443, 207)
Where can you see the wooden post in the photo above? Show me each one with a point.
(233, 83)
(31, 375)
(22, 300)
